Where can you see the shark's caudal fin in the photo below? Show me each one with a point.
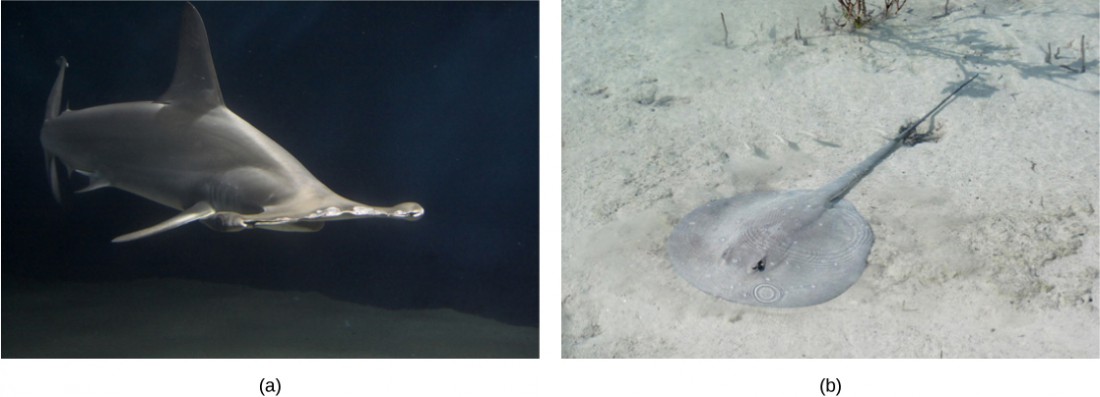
(53, 104)
(199, 211)
(195, 84)
(53, 108)
(52, 172)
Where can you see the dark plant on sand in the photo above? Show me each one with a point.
(855, 11)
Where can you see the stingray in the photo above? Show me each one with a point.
(188, 151)
(783, 248)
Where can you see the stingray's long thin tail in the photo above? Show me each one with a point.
(913, 127)
(837, 189)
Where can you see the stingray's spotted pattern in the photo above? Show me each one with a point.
(815, 264)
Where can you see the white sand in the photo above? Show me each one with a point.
(171, 318)
(986, 241)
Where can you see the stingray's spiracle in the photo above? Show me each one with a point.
(766, 293)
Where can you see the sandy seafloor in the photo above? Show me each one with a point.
(986, 241)
(176, 318)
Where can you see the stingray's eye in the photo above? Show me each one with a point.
(760, 265)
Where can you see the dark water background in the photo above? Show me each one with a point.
(429, 102)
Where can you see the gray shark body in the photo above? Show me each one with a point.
(188, 151)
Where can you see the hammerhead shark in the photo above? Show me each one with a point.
(188, 151)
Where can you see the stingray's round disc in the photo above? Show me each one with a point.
(828, 255)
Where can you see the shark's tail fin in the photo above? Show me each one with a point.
(53, 105)
(54, 174)
(53, 108)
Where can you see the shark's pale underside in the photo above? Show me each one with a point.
(188, 151)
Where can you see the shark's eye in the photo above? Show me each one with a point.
(760, 265)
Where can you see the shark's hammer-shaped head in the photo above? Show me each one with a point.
(288, 217)
(289, 199)
(276, 219)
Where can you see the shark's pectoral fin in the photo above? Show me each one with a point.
(198, 211)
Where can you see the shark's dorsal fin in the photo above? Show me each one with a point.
(195, 84)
